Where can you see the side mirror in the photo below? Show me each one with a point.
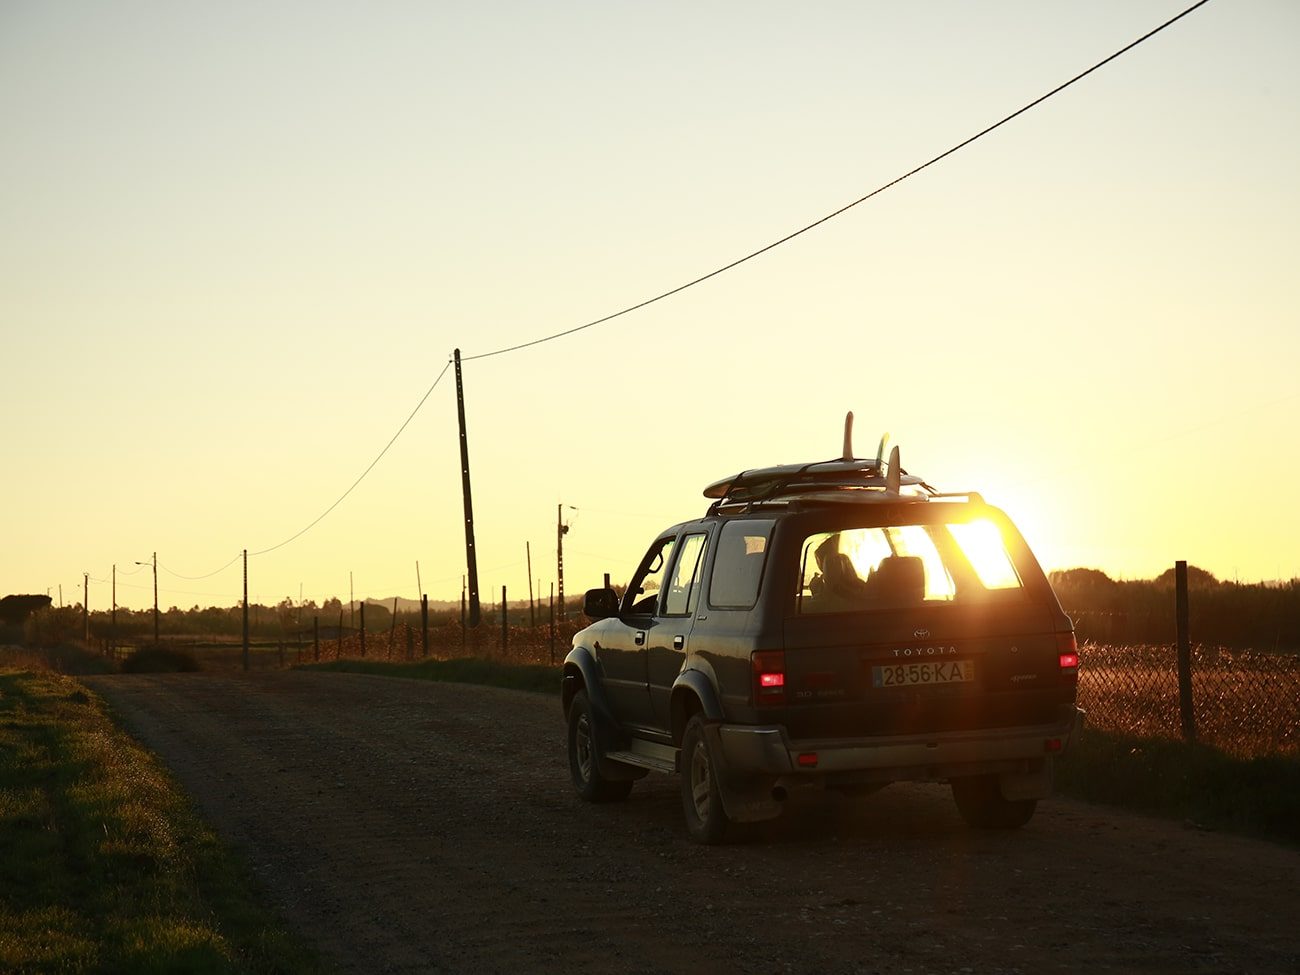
(600, 604)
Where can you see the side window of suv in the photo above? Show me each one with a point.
(643, 594)
(683, 592)
(738, 568)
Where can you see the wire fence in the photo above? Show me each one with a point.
(1245, 702)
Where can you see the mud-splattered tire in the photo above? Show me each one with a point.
(706, 820)
(583, 765)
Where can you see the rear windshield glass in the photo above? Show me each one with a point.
(903, 565)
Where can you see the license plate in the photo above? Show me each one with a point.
(923, 672)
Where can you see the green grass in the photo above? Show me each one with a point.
(539, 678)
(106, 867)
(1195, 783)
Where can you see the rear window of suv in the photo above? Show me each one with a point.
(903, 565)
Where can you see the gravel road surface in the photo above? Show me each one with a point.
(406, 826)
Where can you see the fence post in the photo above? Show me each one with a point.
(1185, 709)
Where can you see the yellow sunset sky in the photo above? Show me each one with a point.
(239, 242)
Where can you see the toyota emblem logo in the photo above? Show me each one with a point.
(921, 634)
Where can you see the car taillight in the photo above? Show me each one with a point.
(1067, 648)
(769, 677)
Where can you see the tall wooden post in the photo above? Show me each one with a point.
(561, 529)
(245, 609)
(112, 624)
(505, 624)
(1185, 709)
(424, 623)
(471, 557)
(155, 599)
(532, 608)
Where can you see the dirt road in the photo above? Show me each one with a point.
(407, 826)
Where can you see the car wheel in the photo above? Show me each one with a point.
(981, 803)
(583, 754)
(706, 820)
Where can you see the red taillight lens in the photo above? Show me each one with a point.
(769, 677)
(1068, 649)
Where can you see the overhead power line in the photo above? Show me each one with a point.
(319, 517)
(848, 206)
(208, 575)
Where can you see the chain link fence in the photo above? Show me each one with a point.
(1245, 702)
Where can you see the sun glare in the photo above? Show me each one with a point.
(981, 543)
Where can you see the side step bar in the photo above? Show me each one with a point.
(647, 754)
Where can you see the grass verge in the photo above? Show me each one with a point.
(1202, 785)
(540, 678)
(106, 866)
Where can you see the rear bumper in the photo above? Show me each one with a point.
(768, 751)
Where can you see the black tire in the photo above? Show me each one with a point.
(980, 802)
(706, 820)
(583, 751)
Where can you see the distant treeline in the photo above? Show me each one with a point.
(1227, 614)
(284, 621)
(1104, 610)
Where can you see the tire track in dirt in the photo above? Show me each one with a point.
(406, 826)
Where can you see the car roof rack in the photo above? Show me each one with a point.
(845, 478)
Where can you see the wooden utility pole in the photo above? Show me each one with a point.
(532, 608)
(245, 609)
(155, 599)
(112, 624)
(505, 624)
(471, 557)
(424, 623)
(561, 529)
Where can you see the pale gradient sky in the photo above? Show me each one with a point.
(238, 241)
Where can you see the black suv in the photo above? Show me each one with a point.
(834, 625)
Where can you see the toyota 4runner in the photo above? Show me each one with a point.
(835, 625)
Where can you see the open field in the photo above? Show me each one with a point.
(415, 826)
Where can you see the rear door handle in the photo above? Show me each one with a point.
(640, 638)
(679, 642)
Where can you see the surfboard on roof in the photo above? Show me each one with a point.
(845, 472)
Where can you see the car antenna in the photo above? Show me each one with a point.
(848, 436)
